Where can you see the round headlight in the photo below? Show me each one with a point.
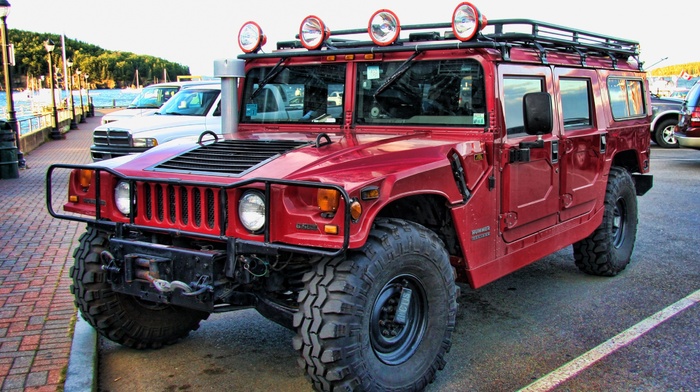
(467, 21)
(384, 27)
(313, 32)
(121, 197)
(251, 37)
(251, 211)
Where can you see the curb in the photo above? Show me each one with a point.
(82, 364)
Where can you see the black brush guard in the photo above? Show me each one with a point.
(234, 245)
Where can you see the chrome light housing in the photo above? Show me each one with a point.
(251, 211)
(121, 197)
(384, 27)
(251, 37)
(313, 32)
(467, 21)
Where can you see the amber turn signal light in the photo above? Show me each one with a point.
(328, 199)
(85, 177)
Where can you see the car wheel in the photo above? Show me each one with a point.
(664, 133)
(122, 318)
(608, 250)
(381, 318)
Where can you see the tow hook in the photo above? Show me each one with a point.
(200, 286)
(108, 263)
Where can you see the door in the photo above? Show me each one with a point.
(583, 142)
(530, 178)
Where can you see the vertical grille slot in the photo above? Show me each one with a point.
(188, 207)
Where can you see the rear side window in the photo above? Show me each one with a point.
(626, 98)
(575, 102)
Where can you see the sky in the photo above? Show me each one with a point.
(195, 33)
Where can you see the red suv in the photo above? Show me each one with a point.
(357, 181)
(688, 134)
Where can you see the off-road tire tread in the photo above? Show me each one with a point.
(108, 311)
(336, 295)
(596, 254)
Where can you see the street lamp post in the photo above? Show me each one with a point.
(80, 93)
(87, 94)
(55, 132)
(69, 84)
(11, 115)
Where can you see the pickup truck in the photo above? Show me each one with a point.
(189, 112)
(150, 100)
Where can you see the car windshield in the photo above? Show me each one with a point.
(442, 92)
(309, 93)
(190, 102)
(153, 97)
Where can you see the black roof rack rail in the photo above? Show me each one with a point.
(501, 34)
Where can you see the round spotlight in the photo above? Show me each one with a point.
(384, 27)
(251, 37)
(313, 32)
(467, 21)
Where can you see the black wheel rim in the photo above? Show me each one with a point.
(394, 343)
(619, 226)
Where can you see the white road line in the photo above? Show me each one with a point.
(622, 339)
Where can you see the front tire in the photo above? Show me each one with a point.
(608, 250)
(122, 318)
(349, 333)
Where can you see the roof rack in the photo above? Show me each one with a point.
(501, 34)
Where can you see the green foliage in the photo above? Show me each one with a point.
(106, 69)
(674, 70)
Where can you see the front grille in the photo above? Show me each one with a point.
(185, 207)
(229, 156)
(110, 138)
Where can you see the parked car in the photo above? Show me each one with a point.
(688, 132)
(665, 114)
(190, 111)
(150, 100)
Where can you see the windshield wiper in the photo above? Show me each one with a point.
(273, 72)
(397, 74)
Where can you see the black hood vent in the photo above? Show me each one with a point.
(232, 157)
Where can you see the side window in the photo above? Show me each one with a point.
(575, 102)
(514, 88)
(626, 98)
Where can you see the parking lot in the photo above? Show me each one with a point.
(638, 331)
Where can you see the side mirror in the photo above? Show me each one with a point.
(537, 113)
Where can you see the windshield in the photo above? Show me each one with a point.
(438, 92)
(153, 97)
(308, 93)
(190, 102)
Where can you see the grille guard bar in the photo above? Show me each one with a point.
(266, 245)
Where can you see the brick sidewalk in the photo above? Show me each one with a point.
(37, 314)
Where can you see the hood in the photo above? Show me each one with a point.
(155, 121)
(127, 113)
(348, 159)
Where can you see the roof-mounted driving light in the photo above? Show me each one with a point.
(251, 37)
(467, 21)
(313, 32)
(384, 27)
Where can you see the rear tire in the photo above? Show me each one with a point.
(664, 133)
(122, 318)
(608, 250)
(348, 336)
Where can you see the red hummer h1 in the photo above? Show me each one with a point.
(360, 176)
